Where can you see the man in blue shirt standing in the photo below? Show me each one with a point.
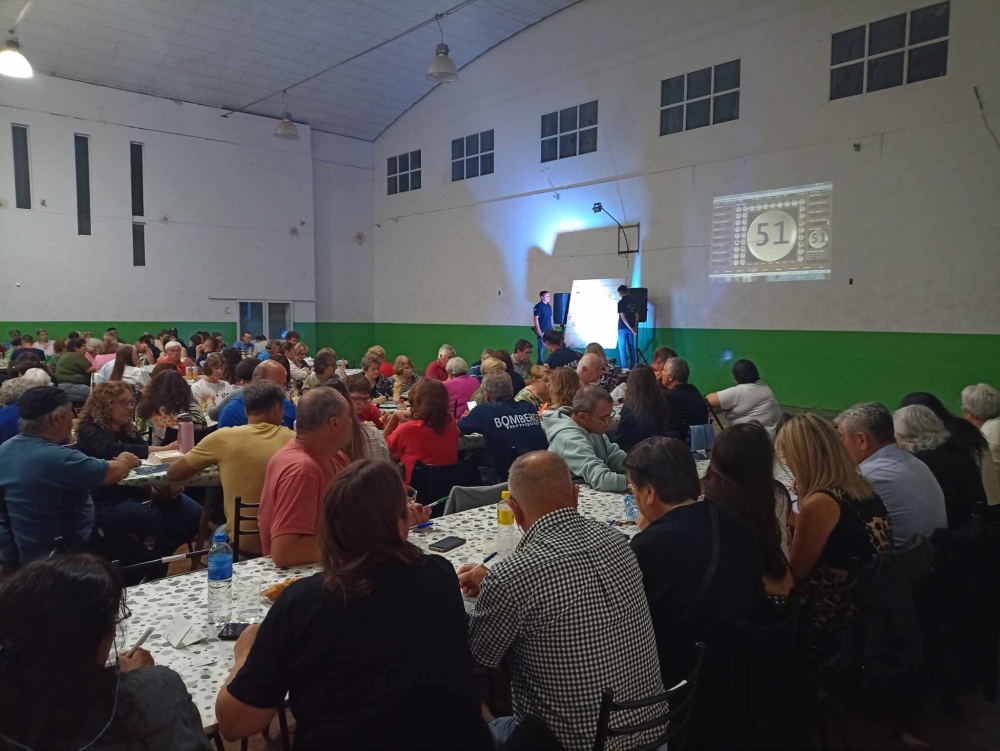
(543, 321)
(628, 321)
(46, 485)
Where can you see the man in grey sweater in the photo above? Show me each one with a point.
(577, 434)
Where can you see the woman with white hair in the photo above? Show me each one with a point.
(10, 392)
(981, 407)
(923, 434)
(460, 385)
(37, 377)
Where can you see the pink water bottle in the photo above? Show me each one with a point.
(185, 432)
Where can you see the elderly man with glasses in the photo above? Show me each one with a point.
(577, 434)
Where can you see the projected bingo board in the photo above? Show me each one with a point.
(773, 235)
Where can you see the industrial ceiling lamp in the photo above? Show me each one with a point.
(441, 69)
(286, 129)
(12, 62)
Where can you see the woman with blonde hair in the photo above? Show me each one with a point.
(563, 385)
(537, 390)
(400, 384)
(489, 365)
(841, 522)
(385, 367)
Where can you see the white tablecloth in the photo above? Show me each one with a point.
(204, 666)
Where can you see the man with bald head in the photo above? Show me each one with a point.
(566, 611)
(589, 369)
(235, 413)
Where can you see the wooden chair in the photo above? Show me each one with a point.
(239, 518)
(674, 719)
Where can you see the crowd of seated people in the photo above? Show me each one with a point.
(329, 468)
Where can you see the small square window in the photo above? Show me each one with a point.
(699, 83)
(847, 81)
(486, 140)
(415, 159)
(472, 144)
(567, 119)
(888, 34)
(458, 170)
(391, 167)
(393, 186)
(699, 114)
(727, 76)
(885, 72)
(567, 145)
(726, 107)
(404, 182)
(929, 23)
(415, 180)
(672, 91)
(486, 164)
(672, 120)
(550, 124)
(588, 114)
(472, 166)
(929, 61)
(847, 45)
(458, 148)
(404, 162)
(588, 140)
(550, 149)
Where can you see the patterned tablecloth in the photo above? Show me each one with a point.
(205, 478)
(204, 666)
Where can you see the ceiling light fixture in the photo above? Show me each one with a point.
(12, 62)
(286, 129)
(441, 69)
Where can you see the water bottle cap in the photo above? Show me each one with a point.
(505, 495)
(220, 536)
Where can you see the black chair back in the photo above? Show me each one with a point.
(239, 518)
(433, 482)
(678, 703)
(9, 560)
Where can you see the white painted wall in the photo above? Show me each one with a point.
(343, 170)
(222, 197)
(915, 210)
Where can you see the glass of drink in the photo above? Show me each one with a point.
(248, 609)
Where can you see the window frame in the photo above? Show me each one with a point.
(394, 173)
(866, 58)
(710, 99)
(478, 156)
(574, 133)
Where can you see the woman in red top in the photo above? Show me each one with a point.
(427, 432)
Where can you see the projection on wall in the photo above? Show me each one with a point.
(773, 235)
(593, 313)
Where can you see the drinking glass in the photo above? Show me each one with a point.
(248, 608)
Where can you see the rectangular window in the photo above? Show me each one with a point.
(138, 244)
(81, 145)
(904, 48)
(22, 173)
(403, 172)
(569, 132)
(472, 156)
(138, 207)
(703, 97)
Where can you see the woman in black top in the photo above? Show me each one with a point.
(923, 434)
(344, 644)
(645, 412)
(106, 431)
(59, 619)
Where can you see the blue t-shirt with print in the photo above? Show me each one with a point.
(510, 429)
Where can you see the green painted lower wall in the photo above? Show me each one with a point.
(128, 331)
(820, 369)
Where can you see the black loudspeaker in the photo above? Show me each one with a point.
(560, 308)
(640, 296)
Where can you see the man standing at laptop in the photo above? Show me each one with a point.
(628, 322)
(543, 321)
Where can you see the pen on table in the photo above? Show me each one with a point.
(422, 526)
(140, 642)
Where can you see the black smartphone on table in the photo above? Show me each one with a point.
(232, 631)
(446, 544)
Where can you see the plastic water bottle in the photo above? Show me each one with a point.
(629, 510)
(220, 580)
(507, 532)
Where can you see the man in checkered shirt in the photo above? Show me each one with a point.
(566, 610)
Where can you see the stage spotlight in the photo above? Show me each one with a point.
(598, 207)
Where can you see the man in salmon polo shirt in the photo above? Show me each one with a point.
(298, 476)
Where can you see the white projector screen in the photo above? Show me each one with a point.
(593, 313)
(773, 235)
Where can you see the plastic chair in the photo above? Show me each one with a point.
(433, 482)
(678, 702)
(463, 499)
